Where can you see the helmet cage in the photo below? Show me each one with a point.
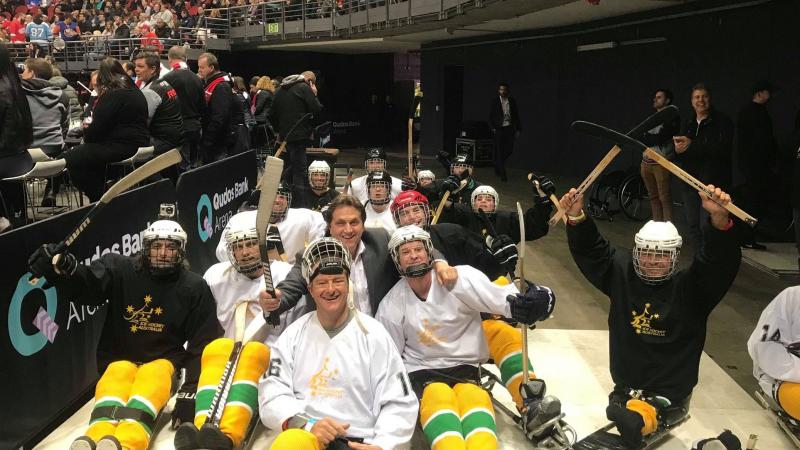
(278, 216)
(242, 239)
(405, 209)
(325, 256)
(403, 236)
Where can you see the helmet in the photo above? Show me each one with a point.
(325, 256)
(485, 190)
(285, 191)
(408, 202)
(425, 175)
(379, 177)
(239, 235)
(318, 167)
(375, 154)
(163, 230)
(656, 250)
(404, 235)
(461, 160)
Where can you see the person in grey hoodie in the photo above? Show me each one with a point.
(75, 110)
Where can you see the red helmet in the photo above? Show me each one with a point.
(411, 207)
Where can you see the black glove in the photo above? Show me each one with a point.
(535, 305)
(794, 348)
(451, 184)
(408, 184)
(504, 251)
(41, 263)
(545, 185)
(444, 159)
(184, 409)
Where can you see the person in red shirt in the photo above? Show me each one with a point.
(149, 38)
(16, 29)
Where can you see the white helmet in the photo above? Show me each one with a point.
(239, 236)
(317, 167)
(163, 230)
(327, 256)
(404, 235)
(425, 175)
(485, 190)
(656, 250)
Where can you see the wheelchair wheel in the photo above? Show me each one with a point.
(633, 198)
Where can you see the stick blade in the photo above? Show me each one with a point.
(659, 118)
(269, 189)
(147, 169)
(601, 132)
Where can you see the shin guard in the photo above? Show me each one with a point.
(113, 389)
(212, 365)
(440, 419)
(149, 393)
(243, 395)
(505, 348)
(788, 396)
(295, 439)
(477, 417)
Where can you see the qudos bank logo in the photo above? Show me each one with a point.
(28, 344)
(205, 218)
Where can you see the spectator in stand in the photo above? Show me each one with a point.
(253, 82)
(16, 135)
(162, 13)
(187, 21)
(260, 104)
(190, 96)
(68, 30)
(130, 69)
(222, 116)
(16, 30)
(163, 108)
(84, 22)
(114, 131)
(39, 35)
(149, 40)
(162, 30)
(75, 109)
(121, 30)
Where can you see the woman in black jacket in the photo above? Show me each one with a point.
(16, 135)
(115, 130)
(260, 104)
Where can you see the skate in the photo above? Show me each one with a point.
(605, 439)
(212, 438)
(789, 425)
(83, 443)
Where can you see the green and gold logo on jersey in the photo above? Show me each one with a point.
(142, 319)
(320, 384)
(643, 323)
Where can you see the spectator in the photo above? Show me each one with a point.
(84, 23)
(16, 30)
(704, 150)
(16, 135)
(130, 69)
(260, 104)
(148, 39)
(68, 29)
(187, 21)
(114, 131)
(222, 116)
(122, 30)
(190, 96)
(253, 82)
(163, 109)
(162, 30)
(655, 177)
(240, 89)
(75, 110)
(39, 34)
(506, 126)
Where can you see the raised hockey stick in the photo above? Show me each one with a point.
(656, 119)
(522, 288)
(440, 208)
(269, 189)
(553, 197)
(282, 147)
(348, 182)
(593, 129)
(224, 386)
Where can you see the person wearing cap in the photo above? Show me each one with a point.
(757, 150)
(335, 378)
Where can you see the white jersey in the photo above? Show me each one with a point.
(353, 377)
(444, 330)
(358, 188)
(300, 227)
(380, 220)
(229, 287)
(778, 326)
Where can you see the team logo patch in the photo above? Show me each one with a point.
(142, 319)
(643, 323)
(320, 384)
(428, 336)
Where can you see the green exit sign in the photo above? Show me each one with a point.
(273, 28)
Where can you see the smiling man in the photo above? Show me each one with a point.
(336, 379)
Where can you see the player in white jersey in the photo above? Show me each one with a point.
(336, 379)
(375, 159)
(295, 226)
(439, 335)
(775, 349)
(379, 215)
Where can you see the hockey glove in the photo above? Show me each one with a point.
(546, 186)
(184, 409)
(451, 184)
(444, 159)
(43, 264)
(535, 305)
(504, 251)
(408, 184)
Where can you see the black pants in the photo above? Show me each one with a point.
(449, 376)
(757, 178)
(87, 165)
(189, 149)
(12, 197)
(503, 147)
(294, 173)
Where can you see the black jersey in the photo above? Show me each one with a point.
(504, 222)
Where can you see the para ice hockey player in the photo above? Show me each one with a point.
(379, 215)
(155, 307)
(335, 376)
(319, 193)
(658, 315)
(375, 159)
(439, 335)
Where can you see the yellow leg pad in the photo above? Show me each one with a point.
(212, 365)
(477, 417)
(295, 439)
(113, 389)
(788, 397)
(243, 395)
(149, 393)
(440, 418)
(648, 413)
(505, 347)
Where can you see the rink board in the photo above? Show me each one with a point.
(574, 363)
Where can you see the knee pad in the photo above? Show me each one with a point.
(295, 439)
(243, 395)
(440, 418)
(212, 365)
(648, 413)
(788, 397)
(505, 348)
(113, 389)
(477, 416)
(151, 388)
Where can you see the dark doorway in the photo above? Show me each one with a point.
(453, 106)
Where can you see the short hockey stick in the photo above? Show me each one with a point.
(224, 386)
(269, 189)
(522, 288)
(553, 197)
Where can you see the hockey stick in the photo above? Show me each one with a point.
(269, 189)
(348, 182)
(443, 202)
(593, 129)
(411, 170)
(659, 118)
(282, 147)
(522, 288)
(553, 197)
(223, 388)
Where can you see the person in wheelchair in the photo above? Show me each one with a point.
(439, 335)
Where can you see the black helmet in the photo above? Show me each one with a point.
(375, 153)
(463, 159)
(379, 177)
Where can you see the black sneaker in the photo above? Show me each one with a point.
(212, 438)
(186, 437)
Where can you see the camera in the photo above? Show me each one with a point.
(167, 211)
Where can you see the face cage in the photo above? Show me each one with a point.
(388, 193)
(416, 270)
(247, 266)
(425, 208)
(278, 216)
(466, 167)
(163, 268)
(638, 252)
(475, 207)
(367, 161)
(324, 184)
(328, 257)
